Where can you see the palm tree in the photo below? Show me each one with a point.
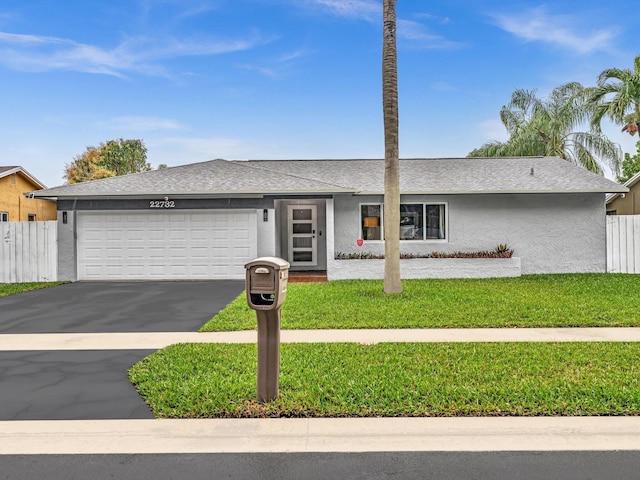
(392, 281)
(549, 127)
(617, 97)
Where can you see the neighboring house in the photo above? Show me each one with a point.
(14, 205)
(206, 220)
(626, 203)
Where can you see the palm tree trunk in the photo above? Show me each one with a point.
(392, 281)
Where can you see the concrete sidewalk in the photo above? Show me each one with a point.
(474, 434)
(157, 340)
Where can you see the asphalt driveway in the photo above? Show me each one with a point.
(108, 307)
(70, 385)
(92, 384)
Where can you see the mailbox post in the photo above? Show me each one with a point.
(266, 287)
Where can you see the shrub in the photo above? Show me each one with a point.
(501, 251)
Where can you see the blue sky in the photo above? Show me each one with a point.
(279, 79)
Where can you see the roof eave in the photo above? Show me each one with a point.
(485, 192)
(219, 194)
(629, 183)
(33, 179)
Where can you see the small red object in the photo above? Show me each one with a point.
(359, 242)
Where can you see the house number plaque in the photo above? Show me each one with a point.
(166, 203)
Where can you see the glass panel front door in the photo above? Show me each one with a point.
(303, 244)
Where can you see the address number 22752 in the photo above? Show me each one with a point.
(166, 203)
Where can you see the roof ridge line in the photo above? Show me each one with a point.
(245, 164)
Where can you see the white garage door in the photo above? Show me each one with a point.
(165, 245)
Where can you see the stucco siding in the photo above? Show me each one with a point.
(67, 259)
(629, 204)
(13, 201)
(266, 232)
(551, 233)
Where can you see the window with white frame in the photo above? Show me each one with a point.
(31, 217)
(4, 217)
(418, 221)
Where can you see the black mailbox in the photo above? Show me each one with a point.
(266, 283)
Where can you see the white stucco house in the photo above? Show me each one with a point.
(206, 220)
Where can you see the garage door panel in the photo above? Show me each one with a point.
(93, 253)
(165, 245)
(136, 236)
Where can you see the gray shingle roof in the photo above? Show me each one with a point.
(419, 176)
(6, 169)
(216, 177)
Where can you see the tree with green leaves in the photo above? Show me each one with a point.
(630, 165)
(550, 127)
(125, 156)
(110, 159)
(86, 166)
(617, 97)
(392, 280)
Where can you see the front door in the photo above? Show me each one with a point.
(303, 245)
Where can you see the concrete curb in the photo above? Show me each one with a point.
(477, 434)
(157, 340)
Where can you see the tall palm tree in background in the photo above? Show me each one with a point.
(392, 281)
(617, 97)
(549, 127)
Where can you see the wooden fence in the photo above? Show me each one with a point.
(28, 252)
(623, 243)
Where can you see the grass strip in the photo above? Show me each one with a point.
(572, 300)
(7, 289)
(353, 380)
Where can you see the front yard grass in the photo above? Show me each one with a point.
(352, 380)
(571, 300)
(7, 289)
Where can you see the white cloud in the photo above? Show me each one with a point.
(428, 16)
(562, 30)
(190, 149)
(185, 8)
(133, 55)
(493, 130)
(142, 124)
(277, 67)
(443, 87)
(357, 9)
(420, 36)
(265, 71)
(299, 53)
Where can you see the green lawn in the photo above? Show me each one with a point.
(350, 380)
(13, 288)
(576, 300)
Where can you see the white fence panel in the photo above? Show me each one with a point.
(28, 252)
(623, 243)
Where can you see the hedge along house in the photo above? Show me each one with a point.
(206, 220)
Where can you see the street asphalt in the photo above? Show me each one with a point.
(323, 466)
